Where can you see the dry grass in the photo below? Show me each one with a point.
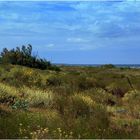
(78, 102)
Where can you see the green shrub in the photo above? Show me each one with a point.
(23, 57)
(19, 76)
(86, 83)
(131, 101)
(108, 66)
(54, 81)
(117, 90)
(101, 96)
(64, 90)
(20, 104)
(87, 117)
(38, 98)
(61, 103)
(81, 105)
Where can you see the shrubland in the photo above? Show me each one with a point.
(76, 102)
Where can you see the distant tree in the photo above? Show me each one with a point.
(108, 66)
(23, 56)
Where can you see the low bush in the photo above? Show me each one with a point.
(38, 98)
(7, 94)
(81, 105)
(20, 104)
(101, 96)
(19, 76)
(117, 90)
(54, 81)
(131, 101)
(108, 66)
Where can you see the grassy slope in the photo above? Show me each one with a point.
(78, 102)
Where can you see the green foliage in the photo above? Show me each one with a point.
(54, 81)
(131, 101)
(81, 105)
(23, 56)
(18, 76)
(20, 104)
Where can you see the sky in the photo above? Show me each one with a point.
(74, 32)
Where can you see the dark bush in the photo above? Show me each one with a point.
(54, 81)
(108, 66)
(23, 56)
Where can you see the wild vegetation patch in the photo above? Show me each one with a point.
(76, 102)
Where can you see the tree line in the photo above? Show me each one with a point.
(23, 56)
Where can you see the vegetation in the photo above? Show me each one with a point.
(108, 66)
(24, 57)
(76, 102)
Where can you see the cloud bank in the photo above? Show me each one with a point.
(71, 26)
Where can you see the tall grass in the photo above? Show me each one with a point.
(38, 98)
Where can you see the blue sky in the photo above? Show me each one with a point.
(90, 32)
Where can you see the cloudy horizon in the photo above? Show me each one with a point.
(89, 32)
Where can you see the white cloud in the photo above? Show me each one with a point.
(85, 27)
(77, 40)
(50, 45)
